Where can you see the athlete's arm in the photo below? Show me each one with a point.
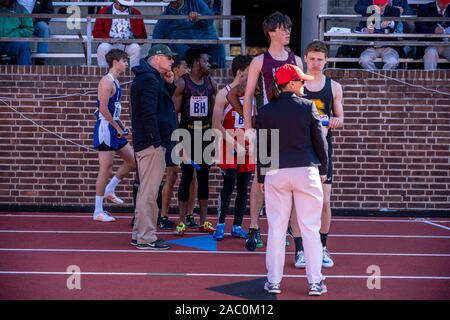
(233, 98)
(252, 80)
(177, 96)
(105, 90)
(219, 106)
(337, 121)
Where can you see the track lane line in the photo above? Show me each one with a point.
(227, 234)
(214, 275)
(216, 252)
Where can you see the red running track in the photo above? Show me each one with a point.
(37, 248)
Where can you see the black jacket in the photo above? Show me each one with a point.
(429, 10)
(153, 117)
(301, 143)
(43, 6)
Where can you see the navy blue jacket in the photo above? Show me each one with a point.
(301, 142)
(153, 117)
(429, 10)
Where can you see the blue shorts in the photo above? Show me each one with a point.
(169, 162)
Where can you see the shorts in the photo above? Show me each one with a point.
(104, 147)
(168, 157)
(330, 162)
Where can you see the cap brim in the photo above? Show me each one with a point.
(307, 77)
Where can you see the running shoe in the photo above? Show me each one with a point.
(316, 289)
(299, 262)
(190, 222)
(207, 227)
(272, 287)
(327, 262)
(166, 224)
(180, 229)
(219, 234)
(251, 242)
(113, 198)
(238, 232)
(103, 216)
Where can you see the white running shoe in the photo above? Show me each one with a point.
(103, 217)
(327, 262)
(113, 198)
(299, 262)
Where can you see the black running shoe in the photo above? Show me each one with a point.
(166, 224)
(155, 245)
(251, 242)
(190, 222)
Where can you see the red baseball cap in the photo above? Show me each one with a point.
(444, 2)
(290, 72)
(380, 2)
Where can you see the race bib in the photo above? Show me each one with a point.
(238, 120)
(117, 110)
(199, 106)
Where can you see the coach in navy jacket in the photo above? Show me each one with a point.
(153, 113)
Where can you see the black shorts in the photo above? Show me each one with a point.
(169, 162)
(105, 147)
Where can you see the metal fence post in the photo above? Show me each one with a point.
(88, 41)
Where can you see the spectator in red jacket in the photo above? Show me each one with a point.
(119, 29)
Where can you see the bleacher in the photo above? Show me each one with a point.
(75, 46)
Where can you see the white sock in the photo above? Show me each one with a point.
(112, 185)
(98, 204)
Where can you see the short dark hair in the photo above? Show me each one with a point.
(193, 55)
(115, 54)
(240, 62)
(177, 61)
(317, 46)
(276, 20)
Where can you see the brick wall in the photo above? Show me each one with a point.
(392, 153)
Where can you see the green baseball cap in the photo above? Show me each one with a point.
(161, 49)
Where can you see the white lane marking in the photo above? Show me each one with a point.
(121, 216)
(218, 252)
(228, 234)
(212, 275)
(434, 224)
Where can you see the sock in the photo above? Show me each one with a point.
(112, 185)
(323, 239)
(98, 204)
(298, 244)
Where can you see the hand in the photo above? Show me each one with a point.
(336, 123)
(169, 77)
(261, 187)
(368, 30)
(323, 178)
(439, 29)
(401, 10)
(121, 133)
(193, 16)
(385, 24)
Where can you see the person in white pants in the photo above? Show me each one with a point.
(294, 176)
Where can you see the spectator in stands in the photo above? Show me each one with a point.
(438, 8)
(120, 29)
(41, 28)
(191, 28)
(215, 6)
(389, 55)
(398, 6)
(15, 28)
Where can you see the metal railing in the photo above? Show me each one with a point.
(88, 39)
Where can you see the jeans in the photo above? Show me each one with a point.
(41, 30)
(21, 50)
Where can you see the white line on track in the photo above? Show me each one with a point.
(435, 224)
(217, 252)
(227, 234)
(213, 275)
(121, 216)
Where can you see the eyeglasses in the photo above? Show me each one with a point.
(299, 80)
